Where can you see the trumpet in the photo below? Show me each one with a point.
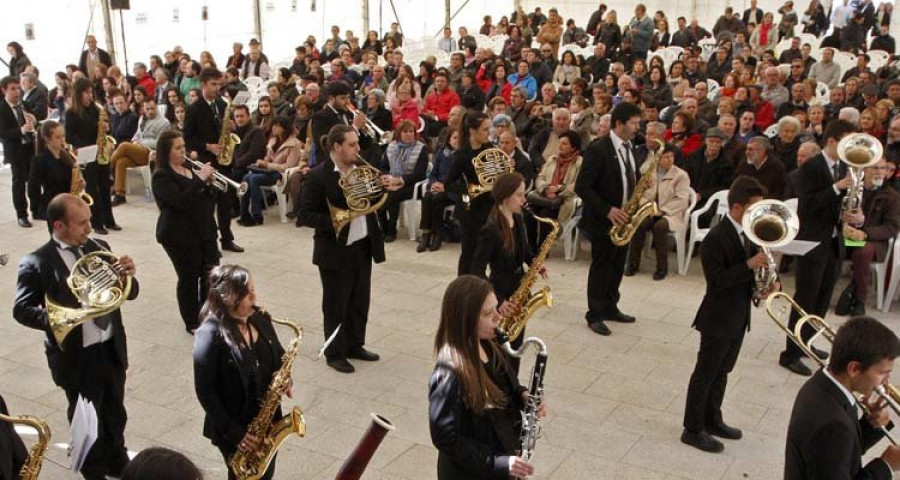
(219, 181)
(383, 137)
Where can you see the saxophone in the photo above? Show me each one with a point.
(637, 210)
(531, 422)
(228, 141)
(253, 465)
(32, 467)
(76, 188)
(527, 302)
(105, 143)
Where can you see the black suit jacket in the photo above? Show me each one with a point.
(43, 274)
(825, 440)
(11, 135)
(185, 209)
(102, 55)
(12, 450)
(757, 18)
(123, 127)
(321, 123)
(507, 268)
(321, 189)
(819, 207)
(47, 178)
(600, 185)
(222, 379)
(37, 102)
(725, 310)
(707, 178)
(81, 130)
(202, 127)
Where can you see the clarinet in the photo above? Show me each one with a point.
(531, 425)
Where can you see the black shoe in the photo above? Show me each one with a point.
(114, 227)
(859, 308)
(620, 317)
(292, 214)
(630, 270)
(724, 431)
(118, 200)
(24, 223)
(797, 367)
(232, 247)
(341, 365)
(660, 275)
(364, 355)
(424, 241)
(436, 241)
(99, 231)
(599, 327)
(702, 441)
(389, 238)
(820, 353)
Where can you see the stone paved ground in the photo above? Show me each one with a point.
(615, 403)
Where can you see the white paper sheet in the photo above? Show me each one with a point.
(797, 248)
(87, 154)
(83, 432)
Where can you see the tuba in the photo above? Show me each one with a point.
(858, 151)
(105, 143)
(769, 224)
(76, 188)
(531, 425)
(637, 209)
(488, 165)
(99, 285)
(31, 470)
(356, 463)
(364, 193)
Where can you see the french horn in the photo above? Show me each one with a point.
(364, 193)
(488, 165)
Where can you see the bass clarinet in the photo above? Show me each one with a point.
(531, 424)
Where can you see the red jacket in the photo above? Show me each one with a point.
(149, 84)
(765, 115)
(410, 112)
(441, 103)
(482, 79)
(692, 142)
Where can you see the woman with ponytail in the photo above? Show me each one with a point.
(51, 169)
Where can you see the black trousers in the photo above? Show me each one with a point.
(468, 245)
(660, 228)
(817, 272)
(228, 452)
(604, 277)
(226, 203)
(97, 185)
(433, 205)
(390, 213)
(345, 300)
(21, 168)
(192, 265)
(715, 360)
(102, 383)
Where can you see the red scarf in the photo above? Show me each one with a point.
(562, 166)
(764, 33)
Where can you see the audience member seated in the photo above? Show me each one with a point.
(786, 143)
(546, 143)
(436, 198)
(282, 152)
(682, 134)
(405, 162)
(437, 106)
(710, 171)
(553, 195)
(762, 166)
(806, 151)
(509, 144)
(136, 152)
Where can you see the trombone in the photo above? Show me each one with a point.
(219, 181)
(888, 392)
(383, 137)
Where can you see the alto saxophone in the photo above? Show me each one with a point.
(271, 434)
(635, 207)
(228, 141)
(32, 467)
(527, 302)
(76, 188)
(105, 143)
(531, 422)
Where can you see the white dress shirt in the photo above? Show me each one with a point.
(358, 227)
(91, 334)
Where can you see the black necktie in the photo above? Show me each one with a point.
(20, 114)
(103, 321)
(836, 171)
(749, 249)
(629, 170)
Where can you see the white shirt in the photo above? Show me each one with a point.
(843, 389)
(358, 227)
(737, 226)
(623, 156)
(841, 16)
(91, 334)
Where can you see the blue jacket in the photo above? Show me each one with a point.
(528, 82)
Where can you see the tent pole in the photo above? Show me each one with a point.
(257, 22)
(108, 27)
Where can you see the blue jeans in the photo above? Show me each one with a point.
(252, 202)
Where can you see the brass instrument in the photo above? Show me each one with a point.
(528, 303)
(531, 422)
(384, 137)
(76, 188)
(769, 224)
(272, 433)
(99, 285)
(489, 165)
(821, 329)
(219, 181)
(32, 467)
(364, 192)
(858, 151)
(635, 207)
(228, 141)
(356, 463)
(105, 143)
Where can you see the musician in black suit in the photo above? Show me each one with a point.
(17, 128)
(82, 129)
(606, 181)
(729, 261)
(236, 355)
(335, 112)
(828, 433)
(12, 450)
(203, 123)
(92, 360)
(345, 257)
(186, 228)
(51, 170)
(823, 183)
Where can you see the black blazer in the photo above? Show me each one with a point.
(599, 185)
(251, 148)
(102, 56)
(13, 449)
(758, 18)
(81, 130)
(321, 189)
(123, 126)
(707, 178)
(185, 209)
(460, 176)
(725, 310)
(825, 440)
(222, 379)
(48, 178)
(507, 268)
(321, 123)
(11, 135)
(38, 103)
(202, 127)
(43, 273)
(819, 207)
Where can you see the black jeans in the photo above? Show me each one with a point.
(817, 272)
(192, 265)
(433, 205)
(20, 170)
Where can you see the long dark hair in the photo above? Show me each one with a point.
(228, 285)
(504, 187)
(456, 342)
(17, 47)
(164, 148)
(472, 121)
(80, 86)
(157, 463)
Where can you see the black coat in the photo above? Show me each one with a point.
(47, 178)
(123, 126)
(819, 207)
(202, 127)
(102, 56)
(320, 190)
(321, 124)
(185, 209)
(462, 174)
(825, 440)
(222, 379)
(600, 185)
(708, 178)
(251, 148)
(725, 310)
(42, 274)
(37, 102)
(507, 268)
(81, 130)
(11, 135)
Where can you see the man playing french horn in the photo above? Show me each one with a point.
(91, 360)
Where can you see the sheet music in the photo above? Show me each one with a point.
(83, 432)
(797, 248)
(86, 155)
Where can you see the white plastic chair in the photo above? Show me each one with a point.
(771, 131)
(280, 195)
(712, 87)
(147, 176)
(893, 291)
(880, 269)
(878, 59)
(823, 92)
(410, 209)
(253, 83)
(570, 233)
(697, 234)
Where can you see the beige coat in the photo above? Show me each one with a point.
(674, 197)
(567, 209)
(287, 156)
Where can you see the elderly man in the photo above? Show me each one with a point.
(640, 29)
(33, 98)
(760, 165)
(144, 79)
(546, 143)
(733, 147)
(598, 63)
(806, 151)
(654, 134)
(773, 91)
(825, 70)
(509, 144)
(93, 55)
(786, 143)
(623, 84)
(797, 101)
(710, 171)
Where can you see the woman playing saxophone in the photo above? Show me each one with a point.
(52, 170)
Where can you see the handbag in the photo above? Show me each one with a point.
(846, 300)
